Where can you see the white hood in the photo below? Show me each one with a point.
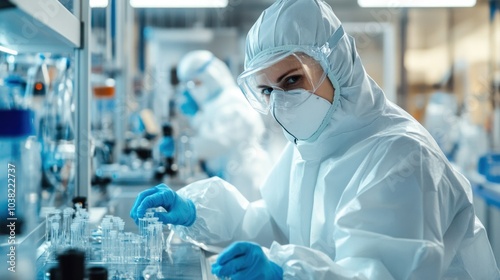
(358, 99)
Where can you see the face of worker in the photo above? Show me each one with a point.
(291, 73)
(198, 91)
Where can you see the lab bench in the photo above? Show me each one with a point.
(185, 262)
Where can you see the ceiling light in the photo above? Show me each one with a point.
(178, 3)
(416, 3)
(7, 50)
(98, 3)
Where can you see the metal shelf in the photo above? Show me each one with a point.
(38, 26)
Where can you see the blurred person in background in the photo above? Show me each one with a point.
(228, 132)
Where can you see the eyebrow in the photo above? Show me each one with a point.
(280, 77)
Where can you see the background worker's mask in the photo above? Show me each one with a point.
(199, 92)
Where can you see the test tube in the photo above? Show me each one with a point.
(143, 222)
(66, 229)
(84, 231)
(121, 226)
(113, 246)
(54, 237)
(143, 237)
(106, 227)
(149, 213)
(48, 227)
(127, 245)
(49, 218)
(136, 247)
(75, 232)
(155, 241)
(116, 221)
(150, 243)
(159, 241)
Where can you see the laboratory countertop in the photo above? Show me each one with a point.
(186, 261)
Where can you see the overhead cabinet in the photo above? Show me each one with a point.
(38, 26)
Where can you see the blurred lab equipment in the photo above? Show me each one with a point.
(103, 137)
(19, 201)
(187, 163)
(20, 174)
(441, 120)
(136, 162)
(450, 121)
(104, 106)
(166, 150)
(58, 136)
(489, 166)
(13, 92)
(227, 131)
(494, 70)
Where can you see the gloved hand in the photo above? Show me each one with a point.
(180, 211)
(167, 146)
(188, 105)
(245, 260)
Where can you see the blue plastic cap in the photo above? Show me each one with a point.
(16, 123)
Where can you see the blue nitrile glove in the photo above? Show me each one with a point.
(167, 146)
(180, 211)
(188, 105)
(246, 260)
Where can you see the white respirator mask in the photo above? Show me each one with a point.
(300, 113)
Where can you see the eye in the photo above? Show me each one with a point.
(266, 91)
(292, 80)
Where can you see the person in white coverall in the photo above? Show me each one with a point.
(362, 191)
(228, 132)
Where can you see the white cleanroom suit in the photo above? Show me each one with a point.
(373, 197)
(228, 131)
